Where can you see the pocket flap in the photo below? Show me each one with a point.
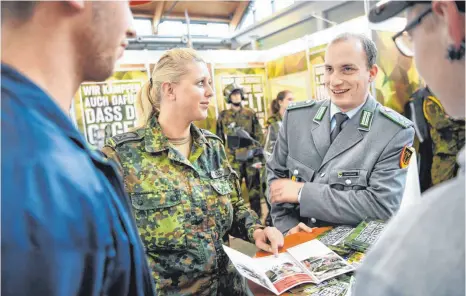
(348, 177)
(304, 172)
(155, 200)
(223, 187)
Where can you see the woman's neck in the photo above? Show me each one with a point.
(281, 112)
(173, 128)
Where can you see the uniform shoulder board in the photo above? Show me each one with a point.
(125, 137)
(209, 134)
(297, 105)
(395, 117)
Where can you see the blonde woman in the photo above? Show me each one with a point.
(184, 193)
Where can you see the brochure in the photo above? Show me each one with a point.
(310, 262)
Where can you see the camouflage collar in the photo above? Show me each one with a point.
(156, 141)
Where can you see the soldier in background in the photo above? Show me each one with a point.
(440, 138)
(241, 158)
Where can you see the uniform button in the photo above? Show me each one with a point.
(348, 182)
(140, 202)
(313, 220)
(322, 175)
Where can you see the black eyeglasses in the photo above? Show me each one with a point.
(403, 40)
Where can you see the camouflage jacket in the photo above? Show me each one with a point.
(246, 118)
(448, 139)
(273, 119)
(183, 207)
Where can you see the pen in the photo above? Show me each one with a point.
(295, 174)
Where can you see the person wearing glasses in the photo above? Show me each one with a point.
(185, 196)
(422, 250)
(342, 160)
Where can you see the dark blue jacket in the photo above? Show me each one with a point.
(66, 224)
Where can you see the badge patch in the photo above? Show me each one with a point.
(217, 173)
(348, 174)
(406, 156)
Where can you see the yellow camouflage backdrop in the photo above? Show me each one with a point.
(288, 73)
(397, 78)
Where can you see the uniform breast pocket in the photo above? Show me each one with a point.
(303, 172)
(223, 188)
(160, 219)
(344, 179)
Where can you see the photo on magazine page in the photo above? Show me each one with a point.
(284, 271)
(338, 286)
(321, 262)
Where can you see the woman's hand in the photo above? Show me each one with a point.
(271, 235)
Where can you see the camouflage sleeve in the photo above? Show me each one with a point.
(112, 155)
(245, 221)
(258, 135)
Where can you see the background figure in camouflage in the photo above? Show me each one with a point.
(228, 123)
(185, 201)
(277, 108)
(440, 138)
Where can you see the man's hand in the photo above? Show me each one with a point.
(285, 190)
(269, 234)
(301, 227)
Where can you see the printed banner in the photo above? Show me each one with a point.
(253, 82)
(105, 109)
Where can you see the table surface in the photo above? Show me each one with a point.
(290, 241)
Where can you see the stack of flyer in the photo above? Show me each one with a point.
(310, 262)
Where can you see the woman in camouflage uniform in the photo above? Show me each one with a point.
(184, 193)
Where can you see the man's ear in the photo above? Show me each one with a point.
(373, 72)
(448, 12)
(76, 4)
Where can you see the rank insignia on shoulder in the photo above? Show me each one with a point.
(405, 157)
(297, 105)
(395, 117)
(125, 137)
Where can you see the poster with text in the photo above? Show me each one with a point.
(105, 109)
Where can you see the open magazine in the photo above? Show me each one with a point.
(310, 262)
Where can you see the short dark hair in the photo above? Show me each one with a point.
(368, 45)
(18, 10)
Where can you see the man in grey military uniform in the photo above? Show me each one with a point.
(341, 160)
